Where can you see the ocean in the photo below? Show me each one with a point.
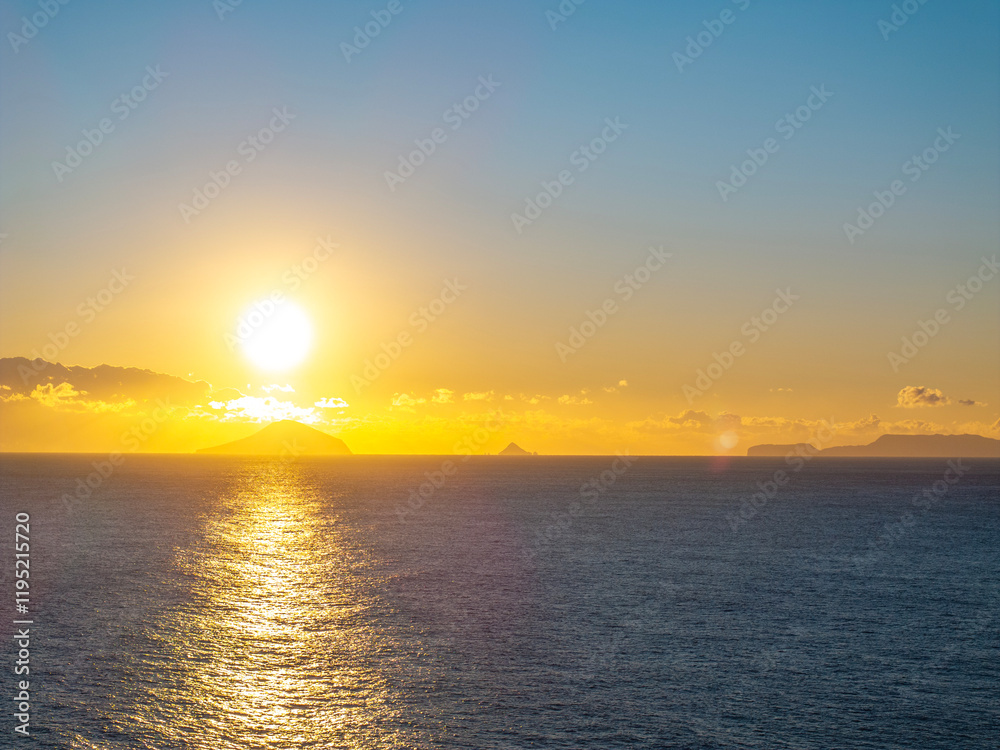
(429, 602)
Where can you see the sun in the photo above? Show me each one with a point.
(278, 335)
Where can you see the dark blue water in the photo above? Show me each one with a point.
(196, 602)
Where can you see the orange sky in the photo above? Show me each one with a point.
(555, 243)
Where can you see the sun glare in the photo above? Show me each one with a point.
(278, 335)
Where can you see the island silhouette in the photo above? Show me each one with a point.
(284, 438)
(513, 449)
(894, 446)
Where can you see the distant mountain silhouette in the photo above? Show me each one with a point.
(284, 438)
(900, 446)
(769, 449)
(514, 450)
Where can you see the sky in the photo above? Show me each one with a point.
(688, 187)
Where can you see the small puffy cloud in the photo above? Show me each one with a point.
(481, 396)
(533, 400)
(276, 387)
(331, 403)
(917, 396)
(780, 390)
(970, 402)
(568, 400)
(623, 384)
(405, 401)
(443, 396)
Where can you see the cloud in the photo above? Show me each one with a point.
(779, 390)
(761, 429)
(686, 420)
(574, 400)
(728, 421)
(915, 427)
(533, 400)
(406, 402)
(331, 403)
(275, 387)
(55, 396)
(225, 394)
(111, 385)
(917, 396)
(443, 396)
(481, 396)
(7, 394)
(970, 402)
(65, 397)
(866, 424)
(269, 409)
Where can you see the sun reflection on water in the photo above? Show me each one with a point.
(272, 649)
